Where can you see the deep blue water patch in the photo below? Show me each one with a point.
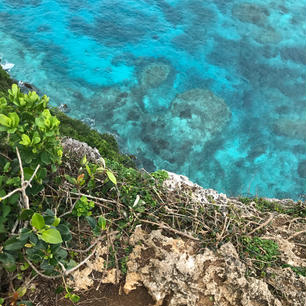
(215, 90)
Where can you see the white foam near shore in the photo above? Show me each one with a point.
(7, 66)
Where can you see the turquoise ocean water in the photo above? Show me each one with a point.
(215, 90)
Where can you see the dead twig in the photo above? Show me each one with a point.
(39, 273)
(262, 225)
(81, 263)
(94, 198)
(296, 234)
(5, 156)
(163, 226)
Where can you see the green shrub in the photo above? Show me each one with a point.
(5, 82)
(105, 143)
(265, 252)
(30, 139)
(26, 123)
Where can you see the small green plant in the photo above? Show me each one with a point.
(74, 298)
(295, 209)
(265, 252)
(83, 207)
(160, 175)
(296, 270)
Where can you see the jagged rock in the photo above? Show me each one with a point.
(172, 270)
(292, 287)
(82, 279)
(176, 273)
(199, 194)
(78, 149)
(64, 108)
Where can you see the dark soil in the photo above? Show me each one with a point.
(107, 295)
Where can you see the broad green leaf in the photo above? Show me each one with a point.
(5, 210)
(25, 234)
(102, 223)
(14, 91)
(40, 123)
(52, 236)
(24, 267)
(36, 139)
(45, 158)
(74, 298)
(13, 244)
(12, 130)
(22, 101)
(3, 102)
(38, 221)
(111, 177)
(13, 199)
(14, 119)
(92, 221)
(8, 262)
(70, 179)
(15, 181)
(65, 232)
(84, 160)
(88, 170)
(2, 177)
(5, 121)
(46, 113)
(6, 167)
(71, 264)
(28, 172)
(21, 291)
(60, 254)
(26, 141)
(56, 221)
(26, 214)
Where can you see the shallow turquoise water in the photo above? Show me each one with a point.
(210, 89)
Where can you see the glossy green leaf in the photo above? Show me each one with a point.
(13, 244)
(38, 221)
(26, 141)
(111, 177)
(45, 158)
(14, 119)
(56, 221)
(8, 262)
(84, 160)
(6, 167)
(92, 221)
(52, 236)
(65, 232)
(26, 214)
(5, 121)
(102, 223)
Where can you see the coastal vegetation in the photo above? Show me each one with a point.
(59, 207)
